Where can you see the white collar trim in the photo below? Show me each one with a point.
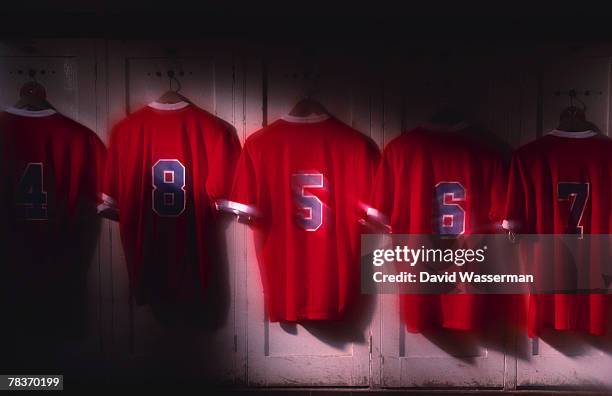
(306, 120)
(445, 128)
(575, 135)
(168, 106)
(30, 113)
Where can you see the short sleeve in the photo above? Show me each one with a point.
(515, 214)
(108, 205)
(243, 199)
(223, 155)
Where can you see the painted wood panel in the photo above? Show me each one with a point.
(188, 341)
(66, 68)
(313, 354)
(567, 358)
(485, 90)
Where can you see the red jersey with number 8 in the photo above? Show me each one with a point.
(167, 165)
(301, 182)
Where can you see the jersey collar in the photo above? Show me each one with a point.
(168, 106)
(310, 119)
(30, 113)
(575, 135)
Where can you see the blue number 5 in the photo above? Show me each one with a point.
(313, 219)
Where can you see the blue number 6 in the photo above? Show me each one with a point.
(449, 216)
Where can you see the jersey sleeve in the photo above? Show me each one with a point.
(381, 199)
(517, 201)
(243, 199)
(223, 155)
(108, 205)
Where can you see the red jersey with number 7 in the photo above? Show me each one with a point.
(301, 182)
(167, 165)
(562, 184)
(440, 180)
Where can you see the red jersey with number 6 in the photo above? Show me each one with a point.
(301, 181)
(167, 165)
(562, 184)
(440, 180)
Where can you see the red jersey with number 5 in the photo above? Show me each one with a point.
(50, 168)
(167, 165)
(441, 180)
(301, 181)
(562, 184)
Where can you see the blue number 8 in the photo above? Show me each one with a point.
(169, 197)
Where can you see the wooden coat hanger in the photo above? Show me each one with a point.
(573, 118)
(172, 96)
(33, 96)
(306, 107)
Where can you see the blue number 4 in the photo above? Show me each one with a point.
(31, 196)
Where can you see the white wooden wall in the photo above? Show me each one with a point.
(98, 82)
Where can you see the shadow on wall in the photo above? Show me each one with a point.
(212, 312)
(47, 299)
(337, 334)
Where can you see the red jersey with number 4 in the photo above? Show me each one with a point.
(440, 180)
(562, 184)
(50, 168)
(301, 181)
(167, 165)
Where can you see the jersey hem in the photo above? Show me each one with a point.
(306, 316)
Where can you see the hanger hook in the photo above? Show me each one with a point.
(582, 103)
(178, 84)
(32, 74)
(172, 77)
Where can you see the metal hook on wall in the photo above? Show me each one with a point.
(172, 77)
(32, 74)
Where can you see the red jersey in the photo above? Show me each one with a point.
(561, 184)
(302, 180)
(50, 167)
(446, 181)
(167, 165)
